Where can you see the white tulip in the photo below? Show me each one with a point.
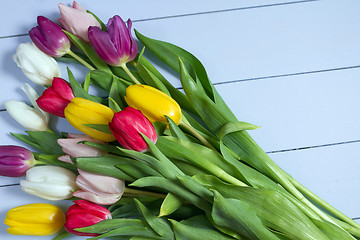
(35, 64)
(31, 118)
(49, 182)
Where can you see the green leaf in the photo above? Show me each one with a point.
(196, 230)
(103, 26)
(332, 231)
(100, 127)
(62, 235)
(42, 140)
(159, 225)
(160, 127)
(89, 51)
(239, 216)
(53, 160)
(169, 54)
(111, 224)
(132, 230)
(80, 92)
(173, 187)
(104, 165)
(117, 91)
(175, 130)
(170, 204)
(272, 207)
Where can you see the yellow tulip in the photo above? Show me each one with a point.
(81, 111)
(153, 103)
(37, 219)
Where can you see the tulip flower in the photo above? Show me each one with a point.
(127, 125)
(84, 214)
(73, 148)
(50, 38)
(153, 103)
(81, 111)
(35, 64)
(31, 118)
(99, 189)
(49, 182)
(36, 219)
(116, 46)
(76, 20)
(55, 98)
(15, 161)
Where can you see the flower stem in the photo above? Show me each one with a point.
(82, 61)
(131, 191)
(133, 78)
(196, 134)
(324, 204)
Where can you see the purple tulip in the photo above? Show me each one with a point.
(50, 38)
(116, 46)
(15, 161)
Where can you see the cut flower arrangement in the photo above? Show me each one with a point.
(153, 161)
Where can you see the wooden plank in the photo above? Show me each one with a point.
(139, 11)
(329, 172)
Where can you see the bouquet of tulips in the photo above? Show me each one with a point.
(151, 162)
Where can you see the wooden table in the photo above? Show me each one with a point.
(291, 67)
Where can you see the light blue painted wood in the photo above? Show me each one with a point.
(248, 53)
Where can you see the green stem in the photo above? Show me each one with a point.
(82, 61)
(38, 162)
(133, 78)
(131, 191)
(324, 204)
(197, 135)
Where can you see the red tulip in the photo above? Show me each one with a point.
(84, 214)
(127, 125)
(55, 98)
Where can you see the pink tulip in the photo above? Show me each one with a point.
(76, 20)
(127, 125)
(73, 148)
(99, 189)
(55, 98)
(84, 214)
(15, 161)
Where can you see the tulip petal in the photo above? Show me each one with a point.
(35, 64)
(103, 199)
(25, 115)
(76, 20)
(103, 46)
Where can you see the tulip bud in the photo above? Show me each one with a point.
(116, 46)
(55, 98)
(15, 161)
(84, 214)
(76, 20)
(50, 38)
(49, 182)
(73, 148)
(81, 111)
(153, 103)
(37, 219)
(35, 64)
(127, 125)
(31, 118)
(99, 189)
